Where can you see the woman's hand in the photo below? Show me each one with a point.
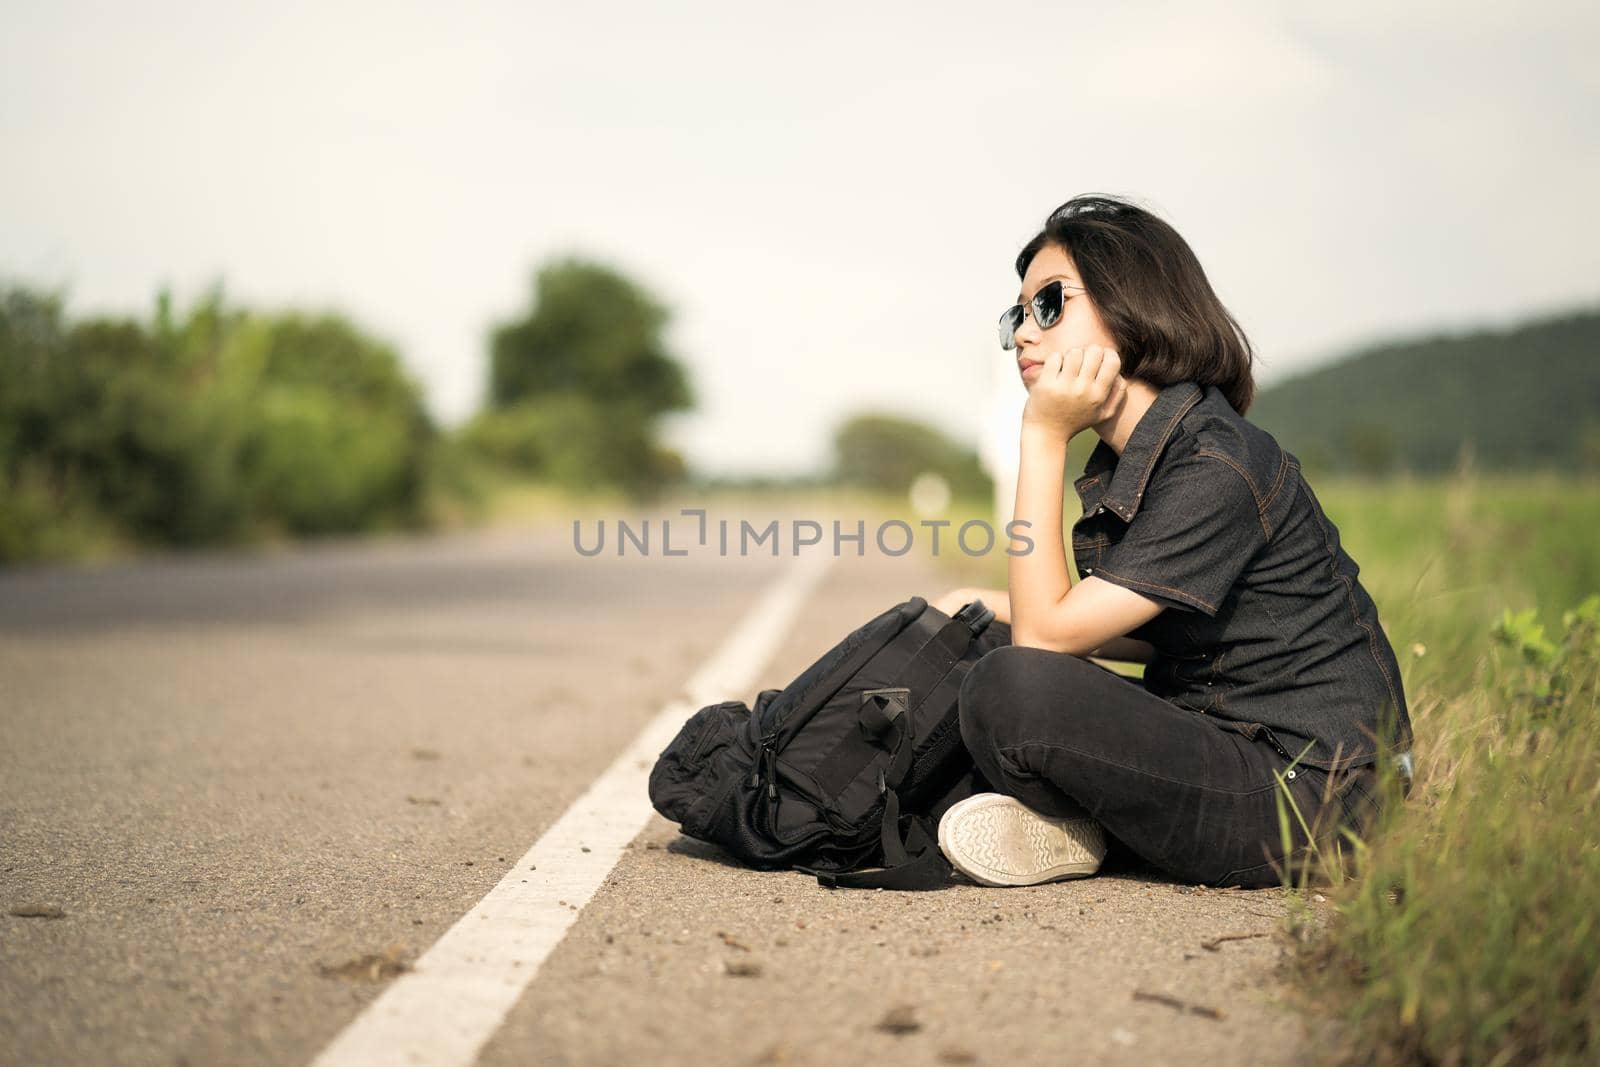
(1076, 390)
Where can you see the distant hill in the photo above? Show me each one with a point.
(1528, 396)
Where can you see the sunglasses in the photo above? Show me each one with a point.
(1046, 305)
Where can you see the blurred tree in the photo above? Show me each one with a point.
(43, 511)
(1520, 395)
(103, 415)
(578, 384)
(883, 451)
(199, 428)
(1589, 447)
(592, 332)
(327, 390)
(1370, 448)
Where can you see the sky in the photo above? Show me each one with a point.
(829, 197)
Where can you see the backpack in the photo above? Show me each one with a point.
(846, 768)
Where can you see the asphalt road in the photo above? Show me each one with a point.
(234, 775)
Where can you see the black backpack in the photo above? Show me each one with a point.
(846, 768)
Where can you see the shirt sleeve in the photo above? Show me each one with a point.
(1196, 529)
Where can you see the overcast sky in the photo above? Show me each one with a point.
(829, 195)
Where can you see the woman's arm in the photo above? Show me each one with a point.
(1070, 395)
(1125, 649)
(1038, 579)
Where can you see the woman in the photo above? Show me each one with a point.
(1270, 684)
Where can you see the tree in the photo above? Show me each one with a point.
(593, 332)
(886, 452)
(200, 428)
(579, 382)
(327, 390)
(1370, 447)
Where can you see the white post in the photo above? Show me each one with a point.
(999, 450)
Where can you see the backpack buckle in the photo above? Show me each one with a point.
(880, 709)
(977, 615)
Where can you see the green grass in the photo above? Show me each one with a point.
(1468, 933)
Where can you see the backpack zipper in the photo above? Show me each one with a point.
(766, 769)
(851, 660)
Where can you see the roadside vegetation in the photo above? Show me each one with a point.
(212, 425)
(221, 424)
(1468, 933)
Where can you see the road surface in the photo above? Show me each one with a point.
(247, 782)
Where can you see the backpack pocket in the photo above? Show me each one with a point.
(693, 773)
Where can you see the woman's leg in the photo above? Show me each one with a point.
(1196, 799)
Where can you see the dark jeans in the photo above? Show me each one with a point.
(1191, 796)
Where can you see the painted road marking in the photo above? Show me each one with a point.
(441, 1013)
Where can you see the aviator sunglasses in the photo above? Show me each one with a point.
(1046, 305)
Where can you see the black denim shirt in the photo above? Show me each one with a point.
(1267, 626)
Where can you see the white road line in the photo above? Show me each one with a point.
(442, 1013)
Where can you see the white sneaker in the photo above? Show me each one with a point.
(996, 839)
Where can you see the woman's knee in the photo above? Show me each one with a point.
(998, 695)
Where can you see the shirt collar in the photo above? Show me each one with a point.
(1129, 474)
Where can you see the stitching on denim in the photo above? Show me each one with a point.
(1133, 770)
(1350, 598)
(1255, 495)
(1277, 486)
(1356, 786)
(1216, 676)
(1179, 593)
(1354, 798)
(1155, 450)
(1267, 607)
(1161, 442)
(1300, 847)
(1213, 693)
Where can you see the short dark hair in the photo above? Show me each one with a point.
(1167, 322)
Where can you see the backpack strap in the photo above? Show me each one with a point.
(915, 861)
(923, 866)
(882, 710)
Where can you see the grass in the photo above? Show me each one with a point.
(1468, 934)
